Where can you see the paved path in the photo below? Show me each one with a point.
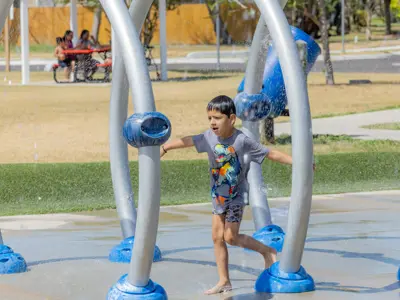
(352, 252)
(362, 63)
(351, 125)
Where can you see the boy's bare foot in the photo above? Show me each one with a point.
(270, 258)
(219, 288)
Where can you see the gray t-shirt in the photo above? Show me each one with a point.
(229, 161)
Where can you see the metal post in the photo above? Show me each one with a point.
(163, 39)
(24, 41)
(119, 162)
(73, 15)
(253, 84)
(343, 30)
(302, 151)
(5, 6)
(7, 44)
(149, 157)
(218, 32)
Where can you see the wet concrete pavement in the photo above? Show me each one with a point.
(352, 252)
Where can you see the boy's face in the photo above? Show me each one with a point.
(220, 124)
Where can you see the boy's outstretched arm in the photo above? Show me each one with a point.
(280, 157)
(185, 142)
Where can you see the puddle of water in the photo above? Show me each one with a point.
(194, 210)
(105, 238)
(167, 217)
(105, 213)
(98, 223)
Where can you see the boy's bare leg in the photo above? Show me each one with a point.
(221, 256)
(233, 237)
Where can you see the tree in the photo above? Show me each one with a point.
(95, 6)
(386, 4)
(151, 21)
(325, 43)
(214, 8)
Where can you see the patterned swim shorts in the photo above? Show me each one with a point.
(233, 212)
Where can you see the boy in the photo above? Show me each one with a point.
(64, 62)
(230, 152)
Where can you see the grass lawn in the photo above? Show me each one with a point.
(55, 142)
(69, 123)
(50, 188)
(387, 126)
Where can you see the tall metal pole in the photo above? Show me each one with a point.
(149, 157)
(24, 41)
(218, 32)
(7, 44)
(73, 15)
(119, 162)
(302, 151)
(253, 84)
(5, 6)
(163, 39)
(343, 30)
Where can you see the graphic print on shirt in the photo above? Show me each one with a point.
(226, 173)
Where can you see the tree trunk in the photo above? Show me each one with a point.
(267, 131)
(368, 34)
(387, 17)
(225, 37)
(325, 44)
(294, 16)
(96, 22)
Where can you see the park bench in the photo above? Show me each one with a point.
(80, 66)
(106, 66)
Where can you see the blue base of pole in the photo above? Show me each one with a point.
(11, 262)
(122, 253)
(274, 280)
(398, 275)
(271, 236)
(123, 290)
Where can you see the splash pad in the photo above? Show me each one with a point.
(143, 226)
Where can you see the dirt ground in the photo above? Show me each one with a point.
(70, 123)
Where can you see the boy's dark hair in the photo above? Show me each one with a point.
(67, 33)
(59, 40)
(222, 104)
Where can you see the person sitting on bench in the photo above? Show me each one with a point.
(86, 43)
(64, 62)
